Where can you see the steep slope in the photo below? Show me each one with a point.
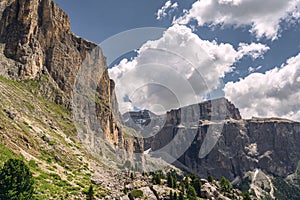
(36, 42)
(43, 133)
(39, 61)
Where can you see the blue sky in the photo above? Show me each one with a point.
(246, 41)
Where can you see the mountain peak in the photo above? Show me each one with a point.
(37, 47)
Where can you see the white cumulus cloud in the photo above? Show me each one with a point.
(275, 93)
(263, 17)
(176, 70)
(163, 11)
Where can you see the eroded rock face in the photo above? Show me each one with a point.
(218, 109)
(244, 145)
(36, 42)
(37, 35)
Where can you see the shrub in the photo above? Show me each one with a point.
(246, 196)
(136, 193)
(32, 164)
(210, 178)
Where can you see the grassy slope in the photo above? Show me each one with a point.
(43, 134)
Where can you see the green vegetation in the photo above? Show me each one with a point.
(189, 186)
(6, 153)
(173, 196)
(181, 197)
(285, 191)
(225, 184)
(136, 193)
(191, 193)
(90, 193)
(196, 184)
(16, 181)
(171, 180)
(246, 196)
(210, 178)
(45, 133)
(156, 177)
(244, 186)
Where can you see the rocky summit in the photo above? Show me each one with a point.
(59, 115)
(36, 42)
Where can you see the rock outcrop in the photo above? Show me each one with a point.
(37, 37)
(246, 145)
(242, 145)
(36, 44)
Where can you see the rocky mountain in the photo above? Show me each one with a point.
(224, 144)
(36, 42)
(59, 114)
(40, 59)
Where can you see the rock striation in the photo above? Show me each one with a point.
(36, 43)
(270, 145)
(246, 145)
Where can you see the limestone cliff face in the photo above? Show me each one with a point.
(218, 109)
(187, 117)
(271, 145)
(37, 36)
(36, 42)
(246, 145)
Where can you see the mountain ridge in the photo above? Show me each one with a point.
(269, 144)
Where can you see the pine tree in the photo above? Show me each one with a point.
(197, 185)
(90, 193)
(131, 176)
(210, 178)
(191, 193)
(175, 196)
(156, 178)
(186, 182)
(174, 182)
(171, 195)
(16, 181)
(225, 184)
(170, 182)
(181, 197)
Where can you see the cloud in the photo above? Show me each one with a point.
(163, 11)
(255, 50)
(176, 70)
(253, 69)
(263, 17)
(272, 94)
